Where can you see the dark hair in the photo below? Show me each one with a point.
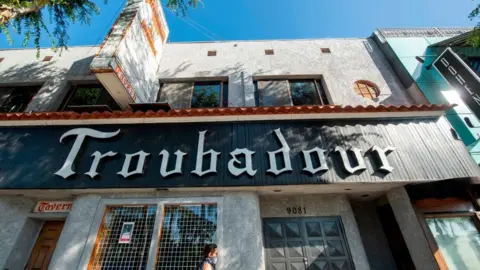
(209, 248)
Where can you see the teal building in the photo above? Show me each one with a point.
(411, 52)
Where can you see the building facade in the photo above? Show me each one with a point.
(299, 154)
(412, 53)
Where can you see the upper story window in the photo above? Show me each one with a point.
(290, 92)
(89, 95)
(474, 62)
(210, 95)
(16, 99)
(366, 89)
(204, 94)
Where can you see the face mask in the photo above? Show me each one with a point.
(212, 260)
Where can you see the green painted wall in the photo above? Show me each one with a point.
(435, 88)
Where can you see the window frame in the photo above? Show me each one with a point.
(451, 211)
(368, 84)
(319, 90)
(27, 88)
(100, 211)
(223, 102)
(470, 61)
(73, 88)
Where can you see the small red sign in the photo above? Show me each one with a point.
(126, 233)
(52, 207)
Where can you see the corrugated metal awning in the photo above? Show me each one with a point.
(456, 41)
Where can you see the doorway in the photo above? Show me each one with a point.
(45, 245)
(395, 240)
(306, 244)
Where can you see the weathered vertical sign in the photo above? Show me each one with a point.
(461, 77)
(129, 56)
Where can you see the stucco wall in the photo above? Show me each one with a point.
(13, 218)
(350, 60)
(243, 62)
(242, 233)
(318, 206)
(21, 67)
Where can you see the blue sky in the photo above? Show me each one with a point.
(282, 19)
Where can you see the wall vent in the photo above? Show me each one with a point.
(212, 53)
(326, 50)
(47, 58)
(269, 52)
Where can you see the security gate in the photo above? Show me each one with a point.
(316, 243)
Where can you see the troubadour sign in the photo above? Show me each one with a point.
(461, 77)
(235, 166)
(228, 154)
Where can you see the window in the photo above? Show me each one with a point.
(90, 95)
(468, 122)
(474, 63)
(458, 239)
(212, 53)
(185, 230)
(290, 92)
(366, 89)
(307, 92)
(269, 52)
(110, 253)
(210, 95)
(16, 99)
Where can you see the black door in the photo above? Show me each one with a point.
(306, 244)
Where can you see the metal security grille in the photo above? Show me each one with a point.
(185, 231)
(109, 253)
(306, 243)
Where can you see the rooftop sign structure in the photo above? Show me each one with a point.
(129, 56)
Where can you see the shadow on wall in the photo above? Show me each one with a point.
(169, 73)
(388, 74)
(53, 79)
(81, 67)
(30, 74)
(188, 69)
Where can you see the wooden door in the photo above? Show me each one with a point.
(43, 250)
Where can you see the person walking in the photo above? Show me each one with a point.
(209, 262)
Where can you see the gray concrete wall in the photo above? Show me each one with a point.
(70, 245)
(242, 233)
(350, 60)
(373, 236)
(317, 206)
(411, 229)
(24, 244)
(13, 218)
